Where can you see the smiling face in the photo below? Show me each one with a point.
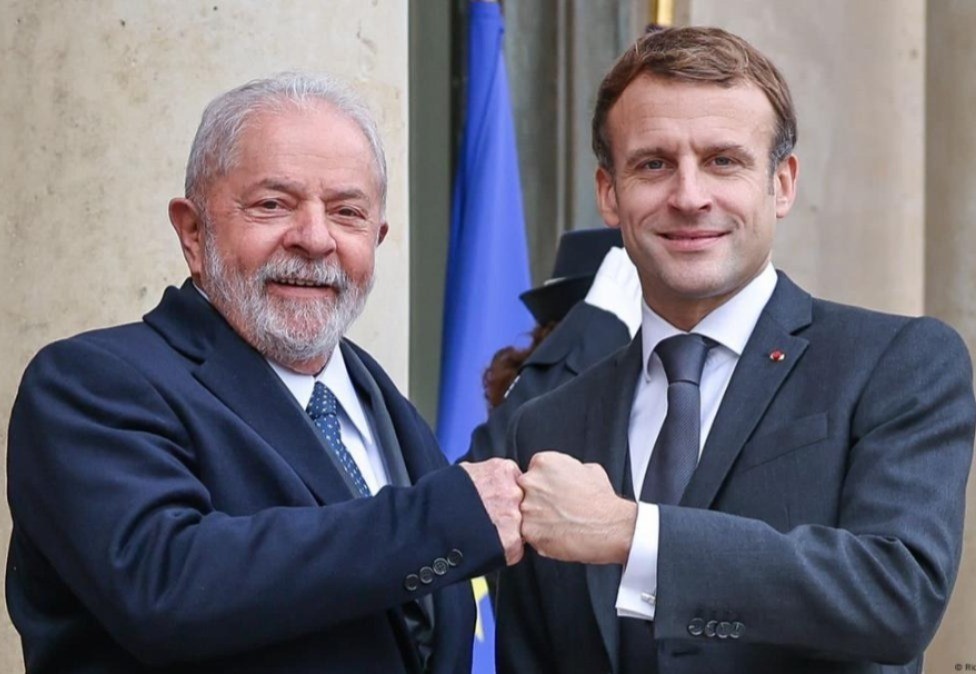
(692, 191)
(285, 247)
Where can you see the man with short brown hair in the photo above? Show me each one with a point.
(762, 481)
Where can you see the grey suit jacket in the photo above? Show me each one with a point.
(822, 529)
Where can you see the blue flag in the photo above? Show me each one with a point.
(487, 265)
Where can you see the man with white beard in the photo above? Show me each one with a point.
(229, 485)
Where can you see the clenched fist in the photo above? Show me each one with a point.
(496, 482)
(571, 513)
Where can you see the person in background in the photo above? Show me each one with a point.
(586, 310)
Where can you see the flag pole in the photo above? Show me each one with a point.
(661, 12)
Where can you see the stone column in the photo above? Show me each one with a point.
(100, 102)
(950, 259)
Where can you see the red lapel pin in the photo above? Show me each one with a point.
(777, 356)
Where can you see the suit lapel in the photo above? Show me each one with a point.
(607, 424)
(756, 379)
(241, 378)
(372, 398)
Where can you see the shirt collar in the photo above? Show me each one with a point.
(335, 375)
(731, 324)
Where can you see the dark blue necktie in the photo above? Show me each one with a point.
(324, 410)
(675, 454)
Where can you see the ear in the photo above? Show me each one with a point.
(384, 230)
(188, 223)
(606, 197)
(784, 185)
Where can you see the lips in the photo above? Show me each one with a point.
(299, 282)
(691, 240)
(691, 234)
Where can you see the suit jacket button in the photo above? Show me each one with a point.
(738, 629)
(426, 575)
(454, 557)
(411, 582)
(696, 627)
(723, 630)
(710, 628)
(440, 566)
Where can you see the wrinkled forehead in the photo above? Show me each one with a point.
(660, 110)
(311, 123)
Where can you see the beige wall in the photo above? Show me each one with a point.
(951, 257)
(100, 102)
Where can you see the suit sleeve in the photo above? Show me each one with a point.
(103, 485)
(873, 587)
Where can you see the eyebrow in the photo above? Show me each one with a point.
(293, 186)
(730, 148)
(642, 152)
(348, 193)
(280, 185)
(709, 150)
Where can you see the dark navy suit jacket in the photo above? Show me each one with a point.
(822, 529)
(175, 511)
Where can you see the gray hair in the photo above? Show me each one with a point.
(214, 149)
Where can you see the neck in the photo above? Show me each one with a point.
(309, 367)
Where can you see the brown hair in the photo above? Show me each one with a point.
(505, 365)
(696, 55)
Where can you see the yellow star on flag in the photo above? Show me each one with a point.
(480, 588)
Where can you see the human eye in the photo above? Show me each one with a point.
(350, 215)
(349, 212)
(653, 164)
(269, 205)
(728, 160)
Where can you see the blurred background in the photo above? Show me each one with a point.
(101, 98)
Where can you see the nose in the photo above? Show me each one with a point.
(690, 194)
(309, 234)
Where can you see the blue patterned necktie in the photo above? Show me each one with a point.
(324, 410)
(675, 454)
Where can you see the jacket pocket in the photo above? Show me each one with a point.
(773, 443)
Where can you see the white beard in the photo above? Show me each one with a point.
(288, 331)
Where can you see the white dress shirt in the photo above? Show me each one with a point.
(730, 325)
(354, 425)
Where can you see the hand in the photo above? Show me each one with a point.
(571, 513)
(616, 288)
(496, 482)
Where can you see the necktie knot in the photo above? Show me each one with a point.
(683, 357)
(323, 402)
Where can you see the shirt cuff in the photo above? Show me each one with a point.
(636, 595)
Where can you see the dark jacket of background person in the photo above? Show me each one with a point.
(584, 337)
